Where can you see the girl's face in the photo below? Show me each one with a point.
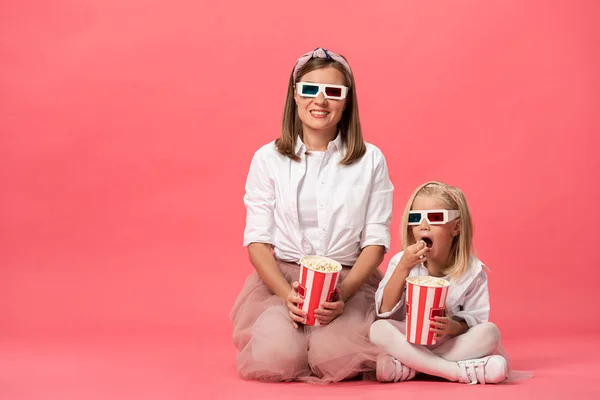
(318, 114)
(439, 238)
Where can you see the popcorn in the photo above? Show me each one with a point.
(428, 281)
(321, 264)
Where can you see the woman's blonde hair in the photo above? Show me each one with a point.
(462, 245)
(349, 125)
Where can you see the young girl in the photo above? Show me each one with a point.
(436, 238)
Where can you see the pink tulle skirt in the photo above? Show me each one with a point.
(271, 349)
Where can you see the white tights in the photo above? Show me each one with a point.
(479, 341)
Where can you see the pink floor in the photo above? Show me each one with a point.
(189, 365)
(153, 325)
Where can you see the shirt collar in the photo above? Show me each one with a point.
(300, 147)
(336, 144)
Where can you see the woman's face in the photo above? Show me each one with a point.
(320, 115)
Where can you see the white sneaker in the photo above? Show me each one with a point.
(391, 370)
(490, 369)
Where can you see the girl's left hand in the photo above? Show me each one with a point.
(328, 311)
(442, 326)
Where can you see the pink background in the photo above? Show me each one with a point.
(127, 128)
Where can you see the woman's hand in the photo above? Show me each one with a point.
(330, 310)
(293, 301)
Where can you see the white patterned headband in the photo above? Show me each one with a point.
(320, 53)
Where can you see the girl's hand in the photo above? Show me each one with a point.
(293, 301)
(328, 311)
(442, 326)
(413, 255)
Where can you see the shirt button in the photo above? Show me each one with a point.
(322, 182)
(321, 205)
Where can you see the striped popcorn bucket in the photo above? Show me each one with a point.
(318, 280)
(425, 299)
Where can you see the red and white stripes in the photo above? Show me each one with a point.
(422, 304)
(315, 288)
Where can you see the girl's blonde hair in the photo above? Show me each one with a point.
(349, 125)
(462, 245)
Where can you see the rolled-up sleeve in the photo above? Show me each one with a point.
(476, 307)
(379, 294)
(376, 230)
(260, 202)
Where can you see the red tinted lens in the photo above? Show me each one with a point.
(333, 91)
(435, 217)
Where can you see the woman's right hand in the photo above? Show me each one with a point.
(413, 255)
(293, 301)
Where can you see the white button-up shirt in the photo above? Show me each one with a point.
(354, 203)
(468, 296)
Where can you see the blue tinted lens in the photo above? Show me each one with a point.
(414, 217)
(310, 89)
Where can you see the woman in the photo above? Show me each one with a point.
(318, 189)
